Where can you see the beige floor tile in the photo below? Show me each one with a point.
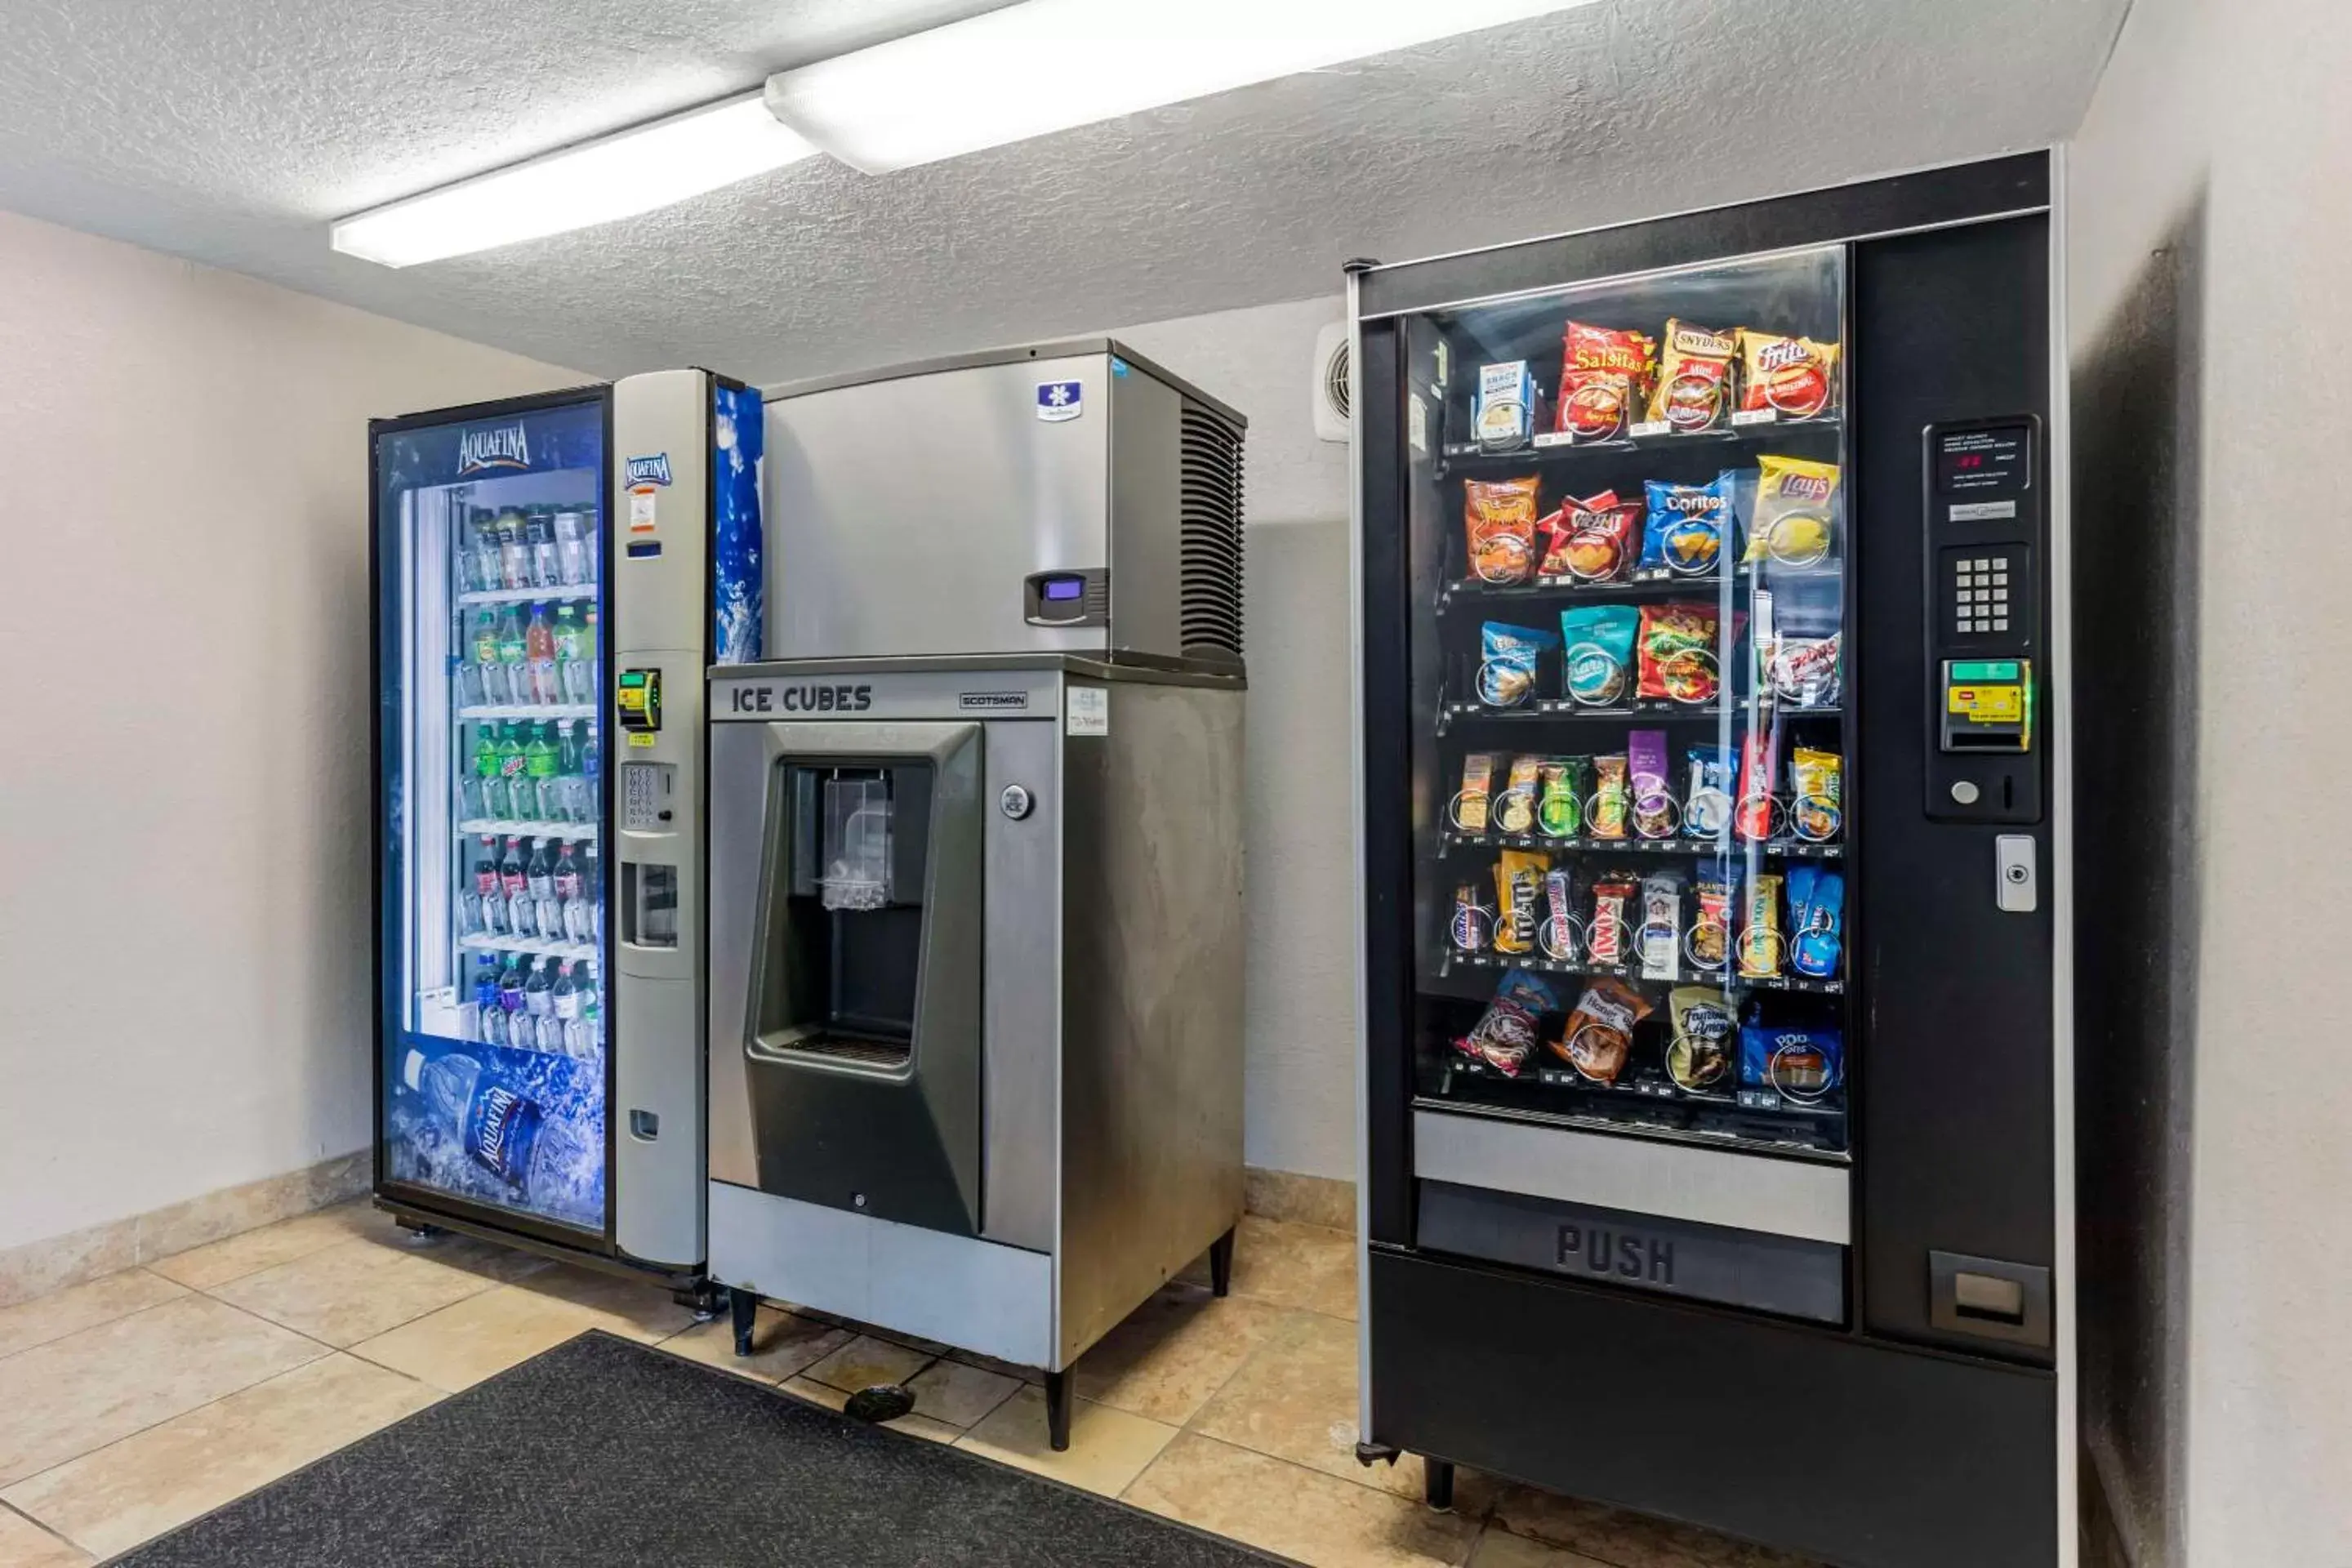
(1295, 1398)
(867, 1361)
(1318, 1518)
(505, 1265)
(1498, 1548)
(127, 1492)
(958, 1394)
(1290, 1265)
(203, 1267)
(24, 1544)
(989, 1363)
(782, 1345)
(101, 1385)
(913, 1423)
(1174, 1351)
(1624, 1539)
(350, 1291)
(1109, 1449)
(78, 1306)
(635, 1309)
(465, 1342)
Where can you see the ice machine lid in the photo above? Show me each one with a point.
(1015, 353)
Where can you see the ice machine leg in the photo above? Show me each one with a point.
(1220, 1265)
(1057, 1410)
(744, 1307)
(1437, 1483)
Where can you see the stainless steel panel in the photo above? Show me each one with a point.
(739, 799)
(659, 614)
(1151, 986)
(1021, 1034)
(975, 1295)
(1712, 1186)
(860, 499)
(1065, 348)
(1146, 529)
(837, 689)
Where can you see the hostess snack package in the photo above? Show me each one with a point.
(1685, 525)
(1606, 814)
(1815, 814)
(1593, 540)
(1709, 943)
(1793, 378)
(1473, 927)
(1758, 778)
(1797, 648)
(1600, 1035)
(1503, 411)
(1793, 520)
(1478, 779)
(1518, 896)
(1694, 387)
(1507, 678)
(1604, 375)
(1658, 940)
(1799, 1064)
(1598, 663)
(1515, 808)
(1650, 791)
(1557, 935)
(1762, 948)
(1499, 517)
(1816, 913)
(1561, 784)
(1506, 1034)
(1698, 1055)
(1677, 653)
(1609, 935)
(1706, 802)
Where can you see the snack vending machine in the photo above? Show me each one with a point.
(1713, 829)
(552, 575)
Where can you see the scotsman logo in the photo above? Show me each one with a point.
(992, 701)
(653, 471)
(503, 447)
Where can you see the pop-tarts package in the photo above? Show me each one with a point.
(1799, 1063)
(1686, 525)
(1503, 412)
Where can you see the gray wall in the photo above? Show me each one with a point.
(1300, 1016)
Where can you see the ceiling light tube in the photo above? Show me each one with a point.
(615, 177)
(1049, 65)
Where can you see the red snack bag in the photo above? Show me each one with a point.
(1604, 375)
(1677, 651)
(1753, 815)
(1694, 387)
(1596, 539)
(1499, 517)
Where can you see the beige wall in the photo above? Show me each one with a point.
(183, 694)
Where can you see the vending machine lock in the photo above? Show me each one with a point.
(637, 700)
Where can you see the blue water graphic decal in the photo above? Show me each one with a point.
(737, 582)
(522, 1130)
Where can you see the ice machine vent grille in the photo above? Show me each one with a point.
(1209, 552)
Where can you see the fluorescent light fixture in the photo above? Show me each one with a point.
(615, 177)
(1049, 65)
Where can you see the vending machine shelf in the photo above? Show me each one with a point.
(486, 827)
(1777, 848)
(1649, 437)
(578, 952)
(570, 592)
(1683, 974)
(526, 712)
(1652, 583)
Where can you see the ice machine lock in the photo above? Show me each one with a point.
(1988, 1298)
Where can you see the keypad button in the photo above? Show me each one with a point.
(2000, 623)
(1999, 577)
(2000, 595)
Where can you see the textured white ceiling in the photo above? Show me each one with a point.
(231, 130)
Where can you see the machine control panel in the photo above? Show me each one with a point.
(636, 699)
(1071, 598)
(1986, 526)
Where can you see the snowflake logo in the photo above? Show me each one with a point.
(1059, 396)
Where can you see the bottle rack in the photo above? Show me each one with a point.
(484, 827)
(577, 951)
(1725, 848)
(570, 592)
(1729, 980)
(525, 712)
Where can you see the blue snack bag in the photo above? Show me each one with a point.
(1816, 913)
(1686, 526)
(1799, 1064)
(1507, 675)
(1600, 660)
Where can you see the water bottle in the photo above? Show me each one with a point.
(573, 913)
(514, 551)
(490, 1021)
(592, 781)
(500, 1128)
(571, 548)
(538, 1004)
(577, 681)
(571, 1037)
(545, 569)
(591, 891)
(482, 550)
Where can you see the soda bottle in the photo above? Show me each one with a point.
(501, 1128)
(588, 653)
(521, 915)
(514, 675)
(513, 795)
(539, 649)
(538, 770)
(489, 896)
(569, 799)
(591, 889)
(490, 1022)
(574, 915)
(538, 1003)
(511, 992)
(514, 551)
(482, 549)
(577, 684)
(544, 572)
(571, 548)
(482, 787)
(591, 1026)
(547, 908)
(567, 1014)
(482, 641)
(592, 781)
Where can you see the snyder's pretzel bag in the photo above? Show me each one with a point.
(1593, 540)
(1793, 518)
(1694, 387)
(1796, 378)
(1499, 517)
(1599, 1033)
(1506, 1034)
(1604, 374)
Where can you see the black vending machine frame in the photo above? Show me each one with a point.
(1892, 1439)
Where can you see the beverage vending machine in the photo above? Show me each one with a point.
(552, 575)
(1712, 831)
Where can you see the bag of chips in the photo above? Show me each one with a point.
(1606, 816)
(1794, 518)
(1707, 805)
(1499, 517)
(1470, 804)
(1593, 540)
(1599, 1034)
(1694, 385)
(1709, 943)
(1799, 1064)
(1604, 374)
(1599, 661)
(1506, 1034)
(1683, 530)
(1698, 1057)
(1815, 814)
(1816, 913)
(1473, 930)
(1678, 657)
(1518, 894)
(1610, 934)
(1659, 937)
(1561, 785)
(1515, 808)
(1556, 936)
(1795, 378)
(1507, 678)
(1651, 792)
(1761, 946)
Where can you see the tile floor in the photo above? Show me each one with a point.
(135, 1403)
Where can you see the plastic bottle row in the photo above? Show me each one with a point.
(542, 771)
(552, 892)
(544, 547)
(555, 1005)
(542, 656)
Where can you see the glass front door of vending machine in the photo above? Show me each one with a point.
(491, 557)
